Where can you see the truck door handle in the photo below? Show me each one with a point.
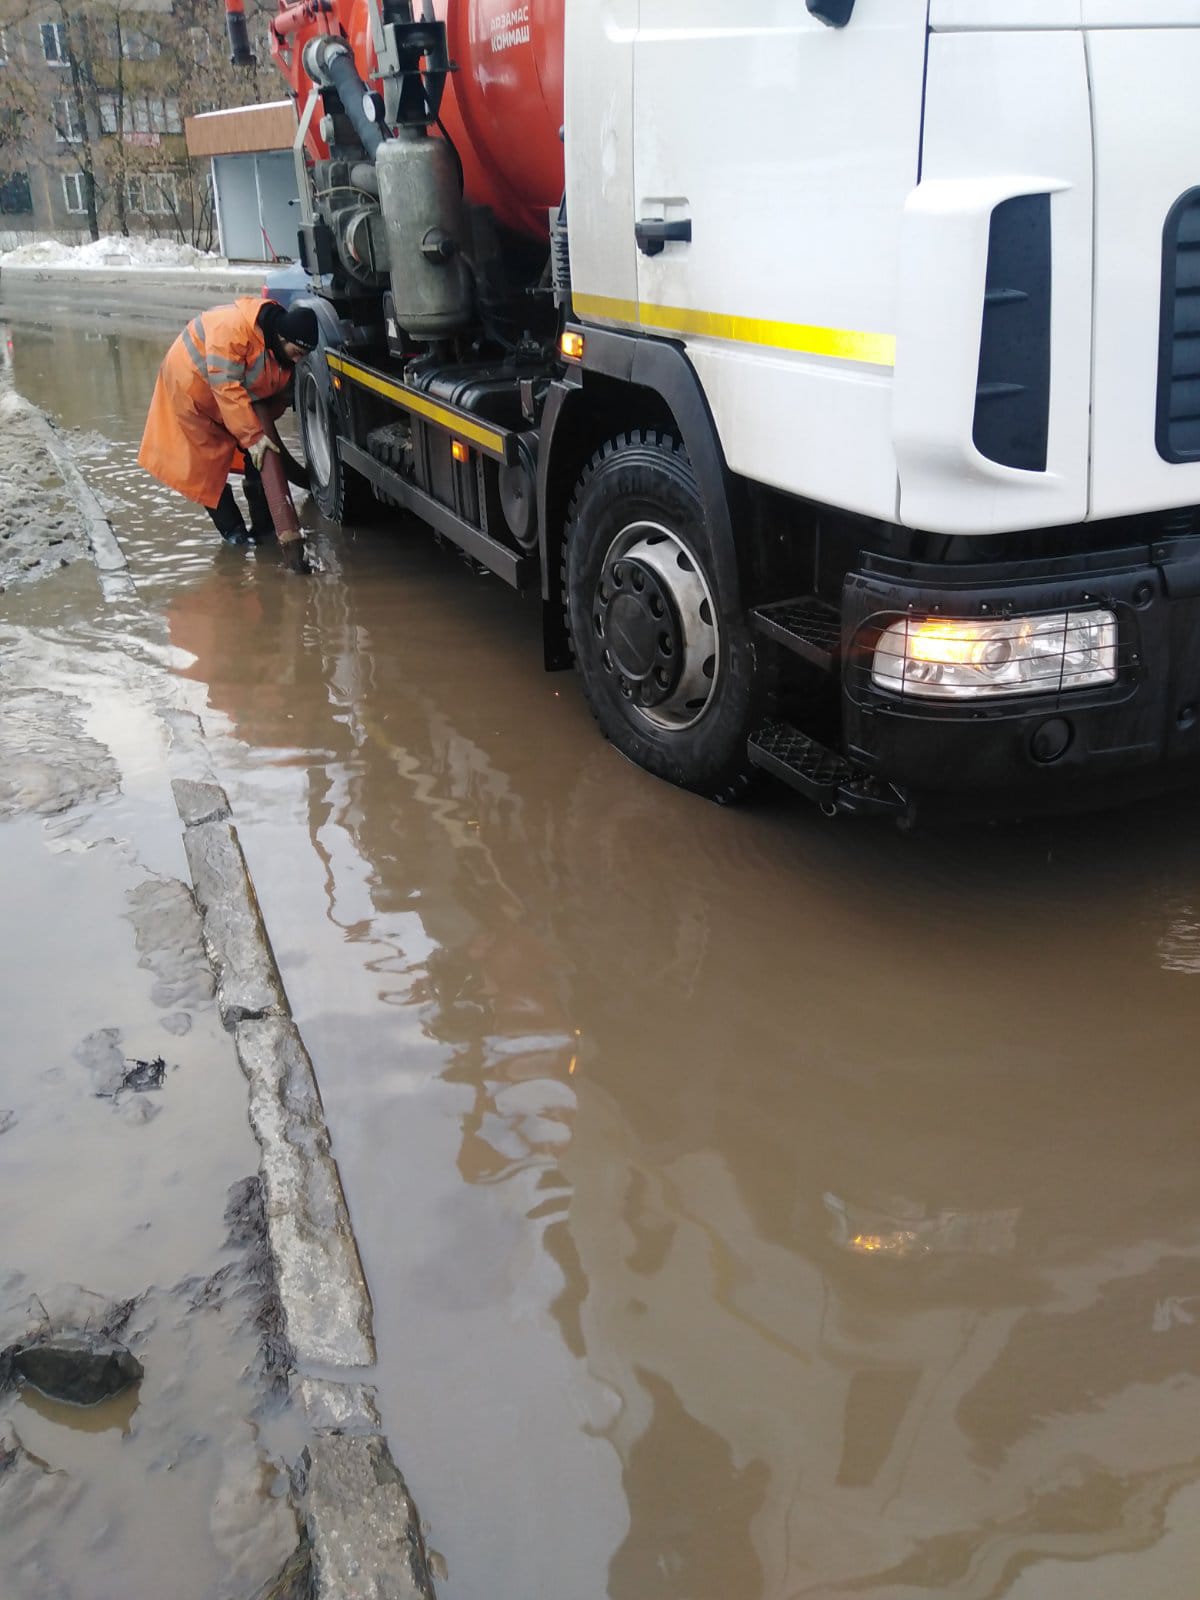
(654, 235)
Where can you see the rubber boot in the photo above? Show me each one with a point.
(227, 518)
(262, 528)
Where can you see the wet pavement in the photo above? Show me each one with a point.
(752, 1205)
(114, 1179)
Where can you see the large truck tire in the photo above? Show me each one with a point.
(341, 496)
(669, 670)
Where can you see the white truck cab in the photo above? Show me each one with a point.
(935, 267)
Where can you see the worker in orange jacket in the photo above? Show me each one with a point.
(220, 388)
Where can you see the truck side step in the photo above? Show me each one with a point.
(806, 626)
(820, 774)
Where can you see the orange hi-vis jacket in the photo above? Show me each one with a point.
(202, 412)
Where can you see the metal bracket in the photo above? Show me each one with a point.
(833, 13)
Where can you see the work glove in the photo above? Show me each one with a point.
(294, 558)
(258, 450)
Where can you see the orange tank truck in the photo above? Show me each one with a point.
(503, 106)
(503, 258)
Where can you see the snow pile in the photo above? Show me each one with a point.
(110, 250)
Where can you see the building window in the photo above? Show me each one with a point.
(67, 128)
(54, 43)
(153, 194)
(140, 116)
(15, 198)
(136, 45)
(74, 193)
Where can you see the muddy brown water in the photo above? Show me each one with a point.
(753, 1206)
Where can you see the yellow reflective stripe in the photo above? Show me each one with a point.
(842, 344)
(601, 305)
(486, 438)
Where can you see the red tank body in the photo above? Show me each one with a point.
(503, 108)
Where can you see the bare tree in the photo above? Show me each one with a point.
(36, 111)
(109, 105)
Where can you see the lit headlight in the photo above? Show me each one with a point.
(960, 658)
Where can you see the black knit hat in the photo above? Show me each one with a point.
(298, 325)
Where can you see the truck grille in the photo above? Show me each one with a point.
(1178, 428)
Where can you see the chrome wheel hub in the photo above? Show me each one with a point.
(655, 620)
(318, 438)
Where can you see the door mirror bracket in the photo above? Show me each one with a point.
(834, 13)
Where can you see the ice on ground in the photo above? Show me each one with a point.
(41, 529)
(13, 405)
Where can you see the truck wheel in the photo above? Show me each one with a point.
(669, 670)
(339, 495)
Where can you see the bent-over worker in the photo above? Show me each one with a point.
(220, 388)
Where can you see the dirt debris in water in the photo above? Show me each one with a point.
(48, 763)
(246, 1219)
(41, 530)
(114, 1072)
(79, 1368)
(67, 1345)
(170, 944)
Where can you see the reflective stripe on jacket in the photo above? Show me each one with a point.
(202, 412)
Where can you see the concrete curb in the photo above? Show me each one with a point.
(105, 547)
(357, 1509)
(324, 1294)
(363, 1530)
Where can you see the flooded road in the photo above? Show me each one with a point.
(753, 1206)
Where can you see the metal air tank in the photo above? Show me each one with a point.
(422, 214)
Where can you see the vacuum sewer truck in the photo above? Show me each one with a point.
(831, 368)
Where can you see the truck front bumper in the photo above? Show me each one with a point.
(1033, 752)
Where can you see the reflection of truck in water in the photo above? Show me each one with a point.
(835, 377)
(904, 1287)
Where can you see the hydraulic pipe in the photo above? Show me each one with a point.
(329, 63)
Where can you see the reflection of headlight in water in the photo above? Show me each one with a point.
(867, 1232)
(889, 1244)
